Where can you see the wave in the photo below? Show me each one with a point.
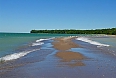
(36, 44)
(84, 39)
(23, 53)
(39, 42)
(16, 55)
(44, 39)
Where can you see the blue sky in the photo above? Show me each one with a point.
(25, 15)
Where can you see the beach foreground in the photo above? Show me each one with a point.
(62, 58)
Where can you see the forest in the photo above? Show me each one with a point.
(109, 31)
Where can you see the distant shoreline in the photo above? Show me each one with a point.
(110, 31)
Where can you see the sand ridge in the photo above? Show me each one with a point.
(64, 44)
(69, 56)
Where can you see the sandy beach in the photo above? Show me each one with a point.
(62, 58)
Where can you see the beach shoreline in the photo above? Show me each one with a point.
(66, 58)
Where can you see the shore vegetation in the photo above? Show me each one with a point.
(109, 31)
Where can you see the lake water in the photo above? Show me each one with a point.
(17, 45)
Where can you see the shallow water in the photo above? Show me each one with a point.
(108, 44)
(44, 64)
(41, 61)
(21, 42)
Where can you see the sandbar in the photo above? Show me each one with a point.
(63, 45)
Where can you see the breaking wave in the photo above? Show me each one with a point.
(36, 44)
(16, 55)
(84, 39)
(39, 42)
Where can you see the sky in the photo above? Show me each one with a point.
(26, 15)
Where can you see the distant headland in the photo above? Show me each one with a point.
(109, 31)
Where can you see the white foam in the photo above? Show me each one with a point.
(41, 40)
(92, 42)
(44, 39)
(36, 44)
(16, 55)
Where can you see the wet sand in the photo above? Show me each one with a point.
(69, 56)
(63, 45)
(64, 59)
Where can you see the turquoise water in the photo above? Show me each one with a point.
(104, 42)
(9, 42)
(110, 41)
(16, 45)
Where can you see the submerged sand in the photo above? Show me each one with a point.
(63, 45)
(69, 56)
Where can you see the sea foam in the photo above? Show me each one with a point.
(42, 40)
(39, 42)
(16, 55)
(98, 44)
(23, 53)
(36, 44)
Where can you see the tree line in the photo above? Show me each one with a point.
(109, 31)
